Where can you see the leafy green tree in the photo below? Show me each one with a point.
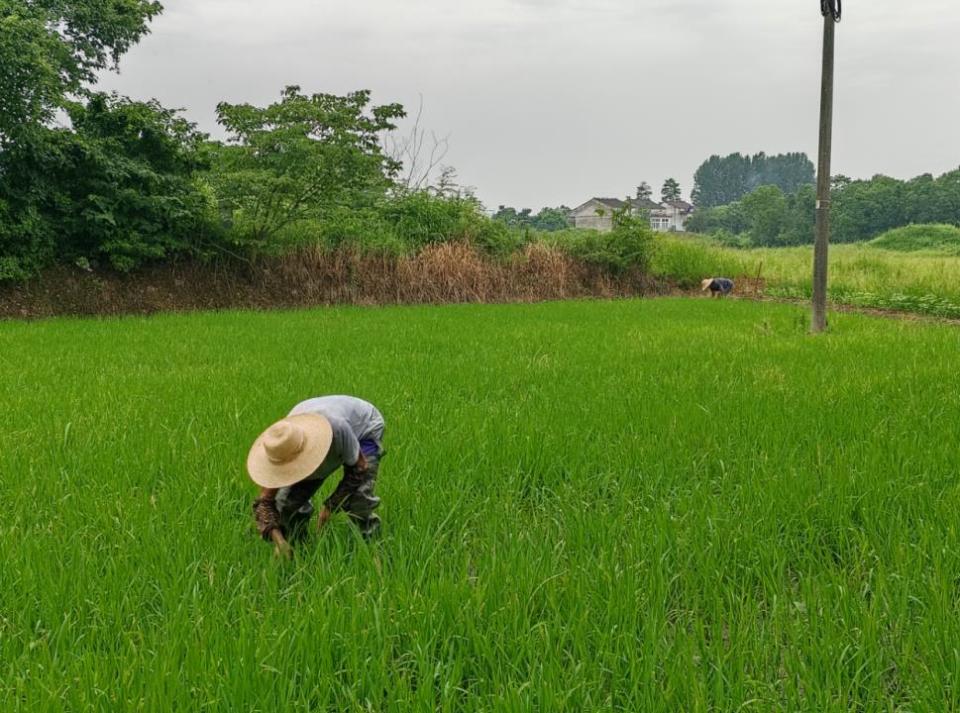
(861, 209)
(948, 197)
(800, 217)
(920, 204)
(513, 218)
(447, 184)
(51, 49)
(795, 171)
(766, 213)
(547, 220)
(728, 218)
(301, 156)
(703, 220)
(864, 209)
(123, 185)
(644, 191)
(839, 182)
(932, 200)
(551, 219)
(786, 171)
(670, 190)
(720, 181)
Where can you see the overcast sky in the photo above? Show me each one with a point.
(550, 102)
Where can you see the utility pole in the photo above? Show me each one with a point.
(831, 15)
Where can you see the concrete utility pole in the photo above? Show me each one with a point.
(831, 15)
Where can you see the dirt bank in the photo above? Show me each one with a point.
(446, 273)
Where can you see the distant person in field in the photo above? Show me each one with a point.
(718, 286)
(292, 459)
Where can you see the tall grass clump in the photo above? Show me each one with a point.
(884, 275)
(864, 275)
(689, 259)
(911, 238)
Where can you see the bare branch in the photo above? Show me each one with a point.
(420, 154)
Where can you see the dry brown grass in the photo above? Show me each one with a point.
(445, 273)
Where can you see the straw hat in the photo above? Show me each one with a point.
(289, 450)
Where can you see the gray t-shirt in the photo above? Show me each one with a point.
(353, 420)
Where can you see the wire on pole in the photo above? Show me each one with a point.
(831, 8)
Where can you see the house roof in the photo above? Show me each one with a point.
(637, 204)
(614, 203)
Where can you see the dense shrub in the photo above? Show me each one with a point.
(364, 229)
(630, 245)
(422, 218)
(27, 242)
(404, 224)
(122, 186)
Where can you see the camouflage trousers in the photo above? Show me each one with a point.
(295, 508)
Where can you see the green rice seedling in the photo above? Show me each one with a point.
(640, 506)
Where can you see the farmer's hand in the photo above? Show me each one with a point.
(323, 518)
(282, 548)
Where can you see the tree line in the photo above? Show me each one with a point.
(861, 210)
(547, 220)
(723, 180)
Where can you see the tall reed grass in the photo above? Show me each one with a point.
(859, 274)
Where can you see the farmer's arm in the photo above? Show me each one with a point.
(266, 514)
(268, 522)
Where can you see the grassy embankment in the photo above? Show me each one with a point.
(914, 269)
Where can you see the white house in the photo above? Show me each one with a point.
(597, 213)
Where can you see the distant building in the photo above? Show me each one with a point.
(597, 213)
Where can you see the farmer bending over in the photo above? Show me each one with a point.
(293, 457)
(718, 286)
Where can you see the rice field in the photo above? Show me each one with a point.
(664, 505)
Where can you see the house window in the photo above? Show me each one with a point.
(660, 223)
